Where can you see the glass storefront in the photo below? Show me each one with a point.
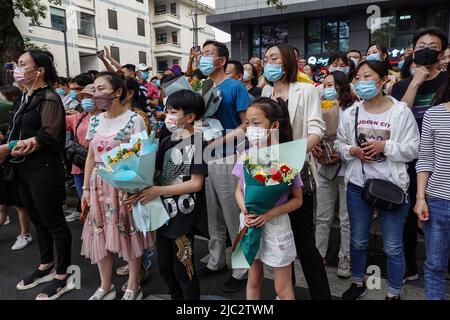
(263, 36)
(326, 34)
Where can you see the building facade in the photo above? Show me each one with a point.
(318, 27)
(156, 33)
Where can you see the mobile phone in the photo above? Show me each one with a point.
(101, 53)
(9, 66)
(361, 139)
(196, 48)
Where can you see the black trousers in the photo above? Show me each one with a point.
(302, 223)
(411, 229)
(176, 266)
(41, 188)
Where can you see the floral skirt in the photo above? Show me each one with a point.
(109, 227)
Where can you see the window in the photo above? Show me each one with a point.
(58, 18)
(142, 57)
(141, 27)
(115, 53)
(160, 9)
(325, 35)
(86, 24)
(162, 65)
(173, 8)
(175, 37)
(441, 18)
(264, 36)
(141, 1)
(112, 19)
(161, 38)
(175, 61)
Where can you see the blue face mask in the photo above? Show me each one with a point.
(401, 64)
(273, 72)
(374, 57)
(367, 89)
(145, 75)
(73, 94)
(158, 83)
(88, 105)
(60, 91)
(206, 65)
(330, 93)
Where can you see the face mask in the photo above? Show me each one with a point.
(374, 57)
(60, 92)
(103, 100)
(273, 72)
(257, 136)
(88, 105)
(412, 71)
(206, 65)
(73, 95)
(172, 122)
(19, 76)
(345, 70)
(401, 64)
(355, 61)
(367, 89)
(247, 75)
(426, 57)
(330, 93)
(158, 83)
(145, 75)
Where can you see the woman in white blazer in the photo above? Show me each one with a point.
(303, 100)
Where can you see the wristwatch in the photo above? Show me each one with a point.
(86, 188)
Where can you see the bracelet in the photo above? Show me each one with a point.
(85, 188)
(12, 144)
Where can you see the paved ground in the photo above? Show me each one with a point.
(15, 265)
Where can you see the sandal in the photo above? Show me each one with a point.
(56, 288)
(123, 271)
(101, 294)
(36, 278)
(132, 295)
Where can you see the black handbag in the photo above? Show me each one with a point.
(380, 194)
(76, 153)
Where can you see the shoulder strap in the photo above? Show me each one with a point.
(356, 139)
(77, 126)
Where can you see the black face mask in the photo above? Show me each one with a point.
(426, 57)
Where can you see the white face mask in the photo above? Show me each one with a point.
(257, 136)
(247, 75)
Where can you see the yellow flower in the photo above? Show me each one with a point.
(327, 104)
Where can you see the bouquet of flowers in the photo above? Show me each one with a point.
(268, 174)
(330, 113)
(130, 167)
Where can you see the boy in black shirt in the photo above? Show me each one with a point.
(180, 184)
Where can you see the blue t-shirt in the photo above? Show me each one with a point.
(235, 99)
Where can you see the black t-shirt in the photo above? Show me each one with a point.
(177, 161)
(255, 92)
(426, 94)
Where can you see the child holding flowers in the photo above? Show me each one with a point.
(269, 124)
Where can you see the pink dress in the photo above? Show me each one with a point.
(109, 226)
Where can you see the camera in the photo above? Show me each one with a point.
(9, 66)
(361, 139)
(196, 48)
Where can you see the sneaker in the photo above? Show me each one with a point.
(74, 216)
(204, 271)
(393, 298)
(22, 241)
(355, 292)
(234, 285)
(131, 295)
(101, 294)
(7, 221)
(343, 270)
(410, 276)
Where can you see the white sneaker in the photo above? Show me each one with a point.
(7, 221)
(131, 295)
(101, 294)
(22, 241)
(74, 216)
(343, 270)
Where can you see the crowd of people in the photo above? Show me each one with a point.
(376, 136)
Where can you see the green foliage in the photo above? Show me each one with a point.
(33, 9)
(277, 4)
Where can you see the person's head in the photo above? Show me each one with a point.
(429, 46)
(93, 74)
(34, 68)
(301, 61)
(143, 72)
(355, 56)
(445, 59)
(376, 52)
(77, 85)
(87, 99)
(183, 108)
(338, 62)
(176, 69)
(197, 75)
(168, 72)
(265, 118)
(9, 93)
(257, 63)
(280, 64)
(110, 90)
(337, 86)
(408, 68)
(129, 71)
(250, 74)
(308, 70)
(62, 86)
(134, 97)
(409, 50)
(214, 57)
(235, 70)
(371, 77)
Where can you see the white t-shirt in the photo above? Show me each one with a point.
(374, 127)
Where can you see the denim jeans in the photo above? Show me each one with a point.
(437, 245)
(78, 179)
(392, 223)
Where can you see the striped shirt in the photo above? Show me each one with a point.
(434, 154)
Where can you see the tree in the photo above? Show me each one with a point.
(11, 41)
(277, 4)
